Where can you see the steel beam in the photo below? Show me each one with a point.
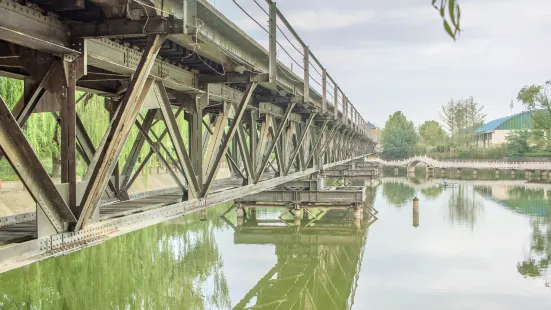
(274, 142)
(120, 128)
(245, 153)
(128, 28)
(231, 132)
(67, 100)
(178, 142)
(31, 172)
(137, 146)
(299, 144)
(154, 146)
(316, 147)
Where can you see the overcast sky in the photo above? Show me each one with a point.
(393, 55)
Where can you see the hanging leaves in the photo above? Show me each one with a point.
(450, 12)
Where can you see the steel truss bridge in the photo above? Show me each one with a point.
(169, 61)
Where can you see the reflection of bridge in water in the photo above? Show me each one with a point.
(318, 261)
(518, 195)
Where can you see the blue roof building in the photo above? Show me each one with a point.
(495, 132)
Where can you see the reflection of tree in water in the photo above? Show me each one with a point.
(398, 193)
(538, 258)
(163, 266)
(520, 199)
(432, 192)
(464, 206)
(534, 203)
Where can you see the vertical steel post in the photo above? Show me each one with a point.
(324, 91)
(306, 73)
(336, 101)
(66, 97)
(273, 44)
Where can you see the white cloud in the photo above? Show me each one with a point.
(317, 20)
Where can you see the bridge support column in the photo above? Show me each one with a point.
(240, 211)
(430, 172)
(358, 212)
(240, 215)
(298, 214)
(530, 175)
(513, 174)
(497, 174)
(459, 173)
(475, 174)
(443, 172)
(395, 172)
(544, 175)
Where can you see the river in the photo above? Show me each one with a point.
(473, 245)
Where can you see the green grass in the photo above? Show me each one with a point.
(538, 154)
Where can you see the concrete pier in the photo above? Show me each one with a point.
(513, 174)
(475, 173)
(459, 172)
(497, 174)
(530, 175)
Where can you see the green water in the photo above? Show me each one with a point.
(474, 245)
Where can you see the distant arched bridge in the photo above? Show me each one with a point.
(479, 165)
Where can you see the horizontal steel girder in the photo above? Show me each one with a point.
(128, 28)
(341, 194)
(351, 173)
(289, 236)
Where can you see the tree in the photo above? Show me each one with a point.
(398, 137)
(517, 143)
(537, 99)
(462, 118)
(431, 133)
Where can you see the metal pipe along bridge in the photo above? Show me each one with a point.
(222, 99)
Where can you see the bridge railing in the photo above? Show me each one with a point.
(310, 65)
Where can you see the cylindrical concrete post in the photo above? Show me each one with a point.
(204, 215)
(475, 173)
(395, 171)
(459, 172)
(497, 174)
(513, 174)
(415, 212)
(443, 172)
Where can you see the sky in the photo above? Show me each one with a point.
(394, 55)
